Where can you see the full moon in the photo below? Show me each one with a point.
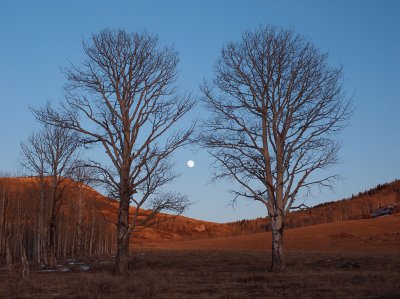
(190, 163)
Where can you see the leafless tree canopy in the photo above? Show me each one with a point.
(50, 152)
(277, 106)
(124, 97)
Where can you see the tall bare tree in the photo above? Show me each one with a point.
(277, 107)
(49, 154)
(124, 98)
(33, 160)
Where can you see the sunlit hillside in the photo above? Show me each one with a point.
(360, 206)
(86, 222)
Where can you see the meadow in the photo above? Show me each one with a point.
(218, 274)
(322, 262)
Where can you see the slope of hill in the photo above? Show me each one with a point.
(86, 219)
(361, 206)
(85, 222)
(375, 235)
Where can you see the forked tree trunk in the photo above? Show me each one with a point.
(278, 263)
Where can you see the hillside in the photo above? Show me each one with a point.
(85, 222)
(86, 218)
(360, 206)
(381, 234)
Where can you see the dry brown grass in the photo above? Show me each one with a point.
(219, 274)
(378, 235)
(353, 259)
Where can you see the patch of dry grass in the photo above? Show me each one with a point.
(219, 274)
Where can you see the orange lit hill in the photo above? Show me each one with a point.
(20, 197)
(376, 235)
(384, 198)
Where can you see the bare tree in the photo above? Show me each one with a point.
(50, 154)
(33, 160)
(277, 107)
(124, 98)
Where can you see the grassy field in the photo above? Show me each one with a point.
(352, 259)
(216, 274)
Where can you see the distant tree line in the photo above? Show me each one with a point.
(80, 229)
(358, 206)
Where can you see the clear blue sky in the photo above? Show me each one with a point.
(39, 37)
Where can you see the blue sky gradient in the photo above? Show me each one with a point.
(38, 38)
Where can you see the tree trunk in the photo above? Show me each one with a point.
(79, 223)
(9, 256)
(122, 257)
(51, 249)
(24, 263)
(41, 222)
(278, 258)
(3, 222)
